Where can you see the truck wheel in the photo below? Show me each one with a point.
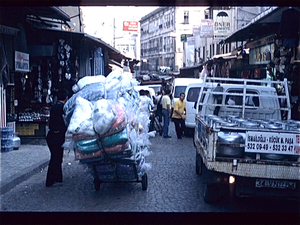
(199, 163)
(97, 184)
(210, 193)
(144, 182)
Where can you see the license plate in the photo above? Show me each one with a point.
(281, 184)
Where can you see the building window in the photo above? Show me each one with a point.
(186, 17)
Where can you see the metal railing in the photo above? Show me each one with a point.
(211, 82)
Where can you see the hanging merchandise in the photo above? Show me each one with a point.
(204, 72)
(39, 86)
(68, 50)
(49, 84)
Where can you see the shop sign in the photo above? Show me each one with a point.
(21, 62)
(183, 37)
(191, 40)
(261, 54)
(222, 22)
(206, 28)
(130, 26)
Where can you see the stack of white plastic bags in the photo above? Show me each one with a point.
(109, 130)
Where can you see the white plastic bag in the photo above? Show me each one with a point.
(81, 120)
(83, 82)
(104, 115)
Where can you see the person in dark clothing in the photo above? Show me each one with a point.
(56, 138)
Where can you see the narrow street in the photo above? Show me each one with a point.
(173, 186)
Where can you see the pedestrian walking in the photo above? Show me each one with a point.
(56, 138)
(178, 116)
(166, 112)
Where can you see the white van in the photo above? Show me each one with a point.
(192, 92)
(179, 85)
(156, 87)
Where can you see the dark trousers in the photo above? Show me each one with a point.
(179, 126)
(55, 141)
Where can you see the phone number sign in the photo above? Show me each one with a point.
(275, 143)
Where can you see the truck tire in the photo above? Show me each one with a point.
(210, 193)
(199, 164)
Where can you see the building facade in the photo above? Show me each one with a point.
(217, 23)
(162, 34)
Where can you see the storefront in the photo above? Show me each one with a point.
(38, 62)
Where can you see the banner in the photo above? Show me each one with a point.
(222, 23)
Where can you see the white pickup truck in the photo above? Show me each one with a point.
(244, 147)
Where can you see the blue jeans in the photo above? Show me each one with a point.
(165, 113)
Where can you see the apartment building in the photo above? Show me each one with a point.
(163, 33)
(216, 25)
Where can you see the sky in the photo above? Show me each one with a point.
(99, 20)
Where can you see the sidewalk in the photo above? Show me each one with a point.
(19, 165)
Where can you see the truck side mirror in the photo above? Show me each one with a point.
(195, 105)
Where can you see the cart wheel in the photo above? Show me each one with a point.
(97, 184)
(144, 182)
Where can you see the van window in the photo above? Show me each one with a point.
(178, 90)
(193, 94)
(238, 99)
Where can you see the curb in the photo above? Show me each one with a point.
(22, 176)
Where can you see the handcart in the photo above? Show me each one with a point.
(118, 168)
(119, 172)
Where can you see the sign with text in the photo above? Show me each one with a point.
(130, 26)
(183, 37)
(21, 61)
(222, 22)
(270, 142)
(206, 28)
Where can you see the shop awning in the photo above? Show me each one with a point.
(191, 67)
(231, 55)
(264, 24)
